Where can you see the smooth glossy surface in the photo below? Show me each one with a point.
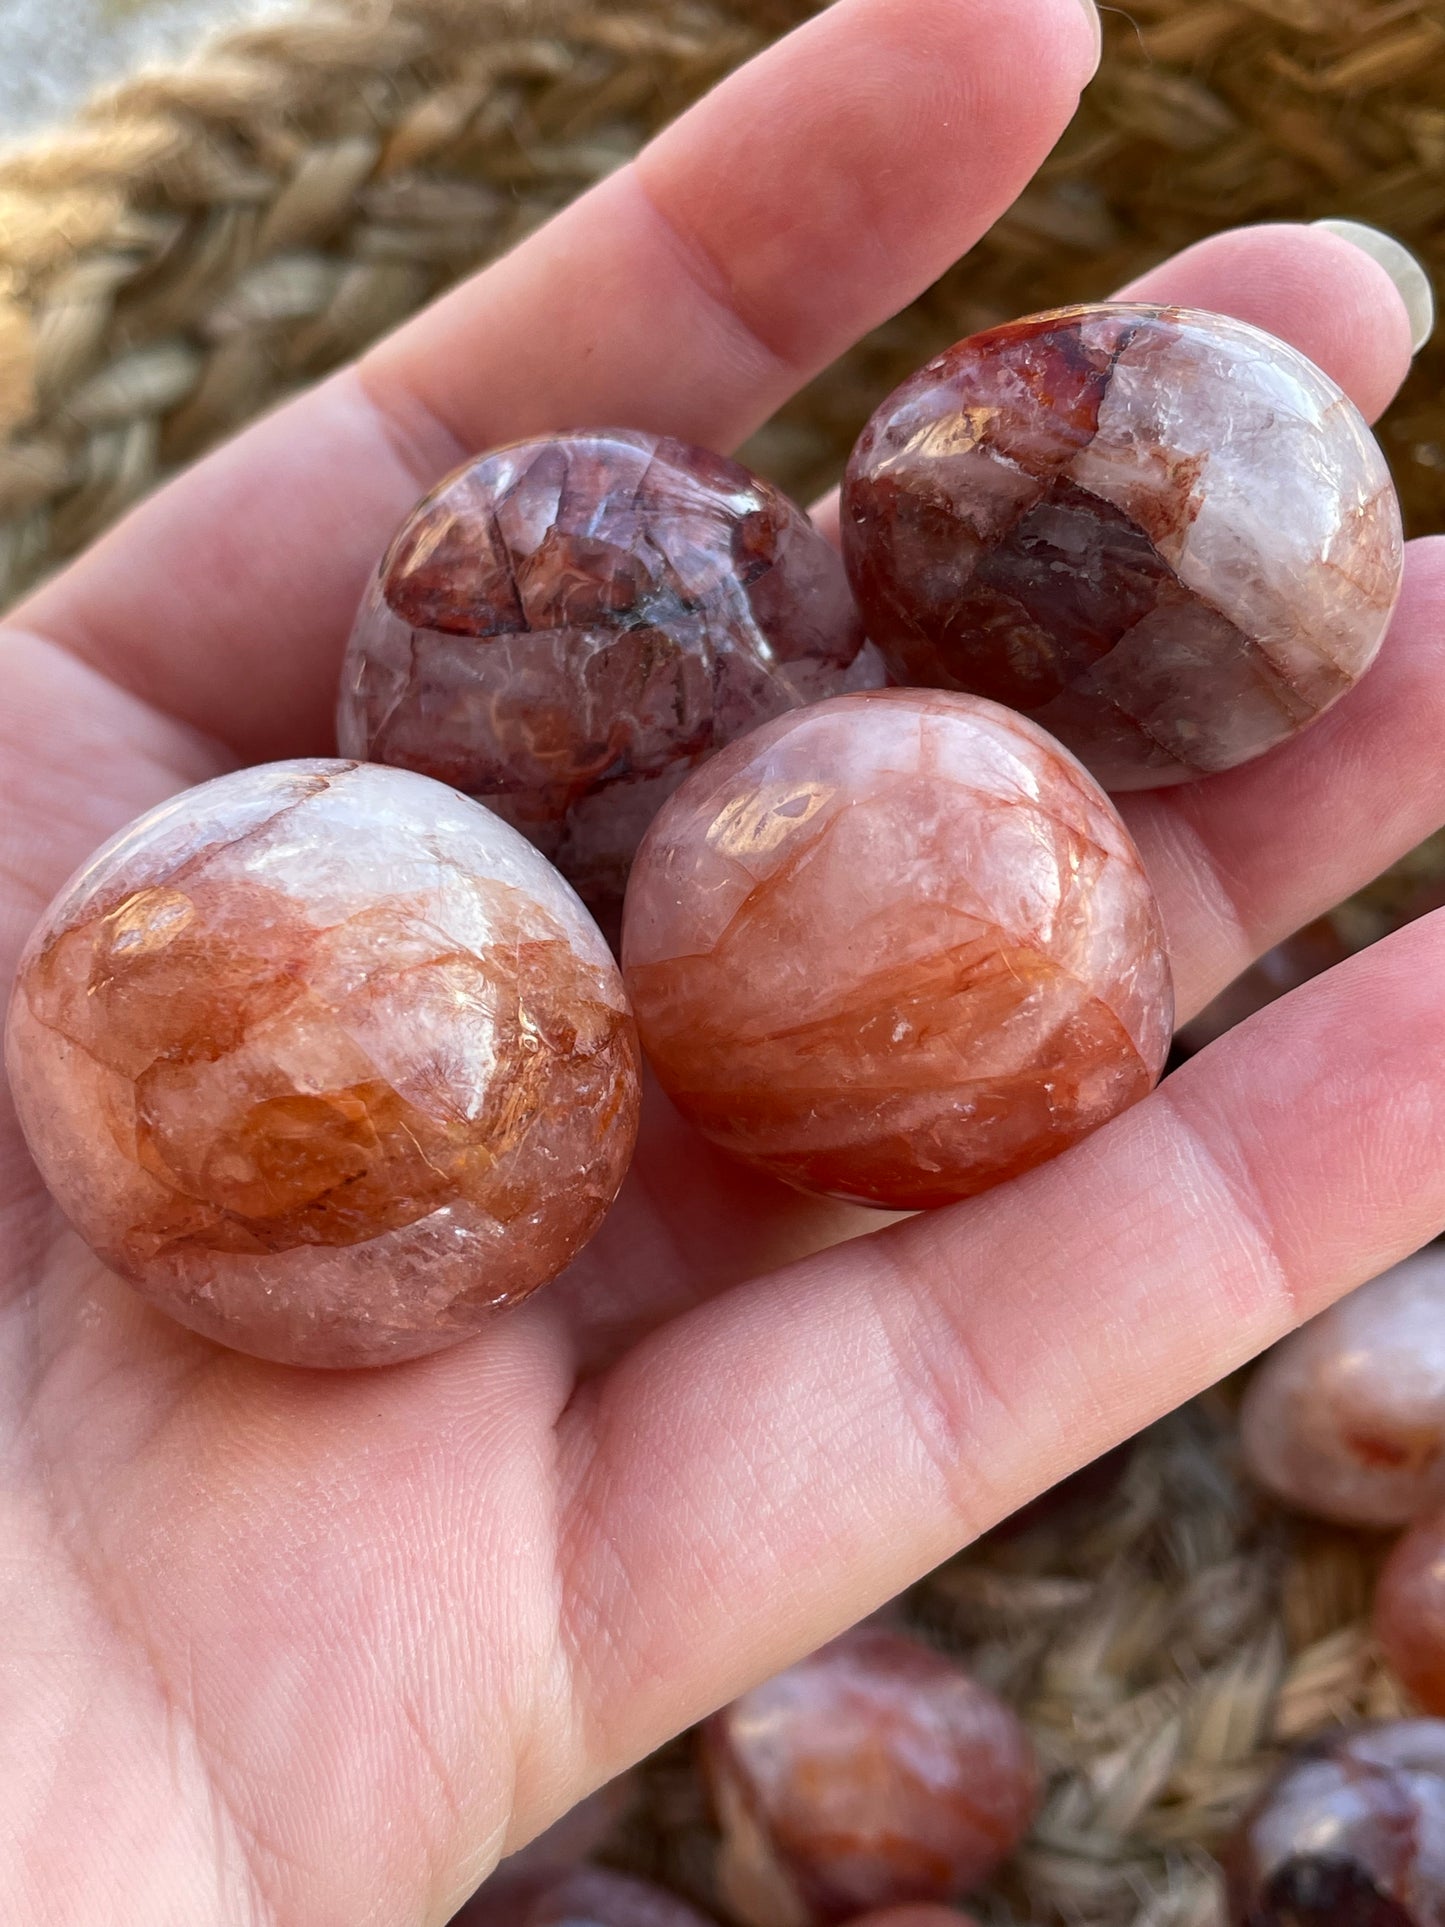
(1351, 1834)
(327, 1061)
(1164, 535)
(874, 1774)
(583, 1897)
(1346, 1418)
(565, 627)
(1409, 1616)
(896, 948)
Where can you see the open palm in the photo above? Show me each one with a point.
(313, 1651)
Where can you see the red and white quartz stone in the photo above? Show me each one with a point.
(875, 1774)
(327, 1061)
(896, 948)
(1409, 1613)
(1350, 1834)
(1346, 1418)
(1165, 535)
(566, 627)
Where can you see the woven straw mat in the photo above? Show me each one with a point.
(206, 238)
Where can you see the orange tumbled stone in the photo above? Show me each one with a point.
(327, 1061)
(875, 1774)
(896, 948)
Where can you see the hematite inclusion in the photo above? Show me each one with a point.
(1164, 535)
(567, 626)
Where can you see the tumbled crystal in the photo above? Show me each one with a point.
(327, 1061)
(1351, 1834)
(921, 1916)
(875, 1774)
(1346, 1418)
(1164, 535)
(583, 1897)
(1409, 1616)
(565, 627)
(896, 948)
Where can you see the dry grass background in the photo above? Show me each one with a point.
(205, 238)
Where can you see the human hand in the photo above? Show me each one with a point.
(300, 1650)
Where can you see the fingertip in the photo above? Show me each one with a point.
(1311, 287)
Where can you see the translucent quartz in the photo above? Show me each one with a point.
(583, 1897)
(896, 948)
(327, 1061)
(1346, 1418)
(874, 1774)
(1410, 1612)
(564, 628)
(1351, 1834)
(1164, 535)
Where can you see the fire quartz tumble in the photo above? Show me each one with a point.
(874, 1774)
(1164, 535)
(1351, 1834)
(1409, 1615)
(1346, 1418)
(896, 948)
(327, 1061)
(565, 627)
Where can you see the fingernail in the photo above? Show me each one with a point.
(1097, 24)
(1404, 270)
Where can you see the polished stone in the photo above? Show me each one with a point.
(1350, 1834)
(896, 948)
(1346, 1418)
(1164, 535)
(565, 627)
(327, 1061)
(874, 1774)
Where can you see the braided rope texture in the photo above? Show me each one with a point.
(205, 238)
